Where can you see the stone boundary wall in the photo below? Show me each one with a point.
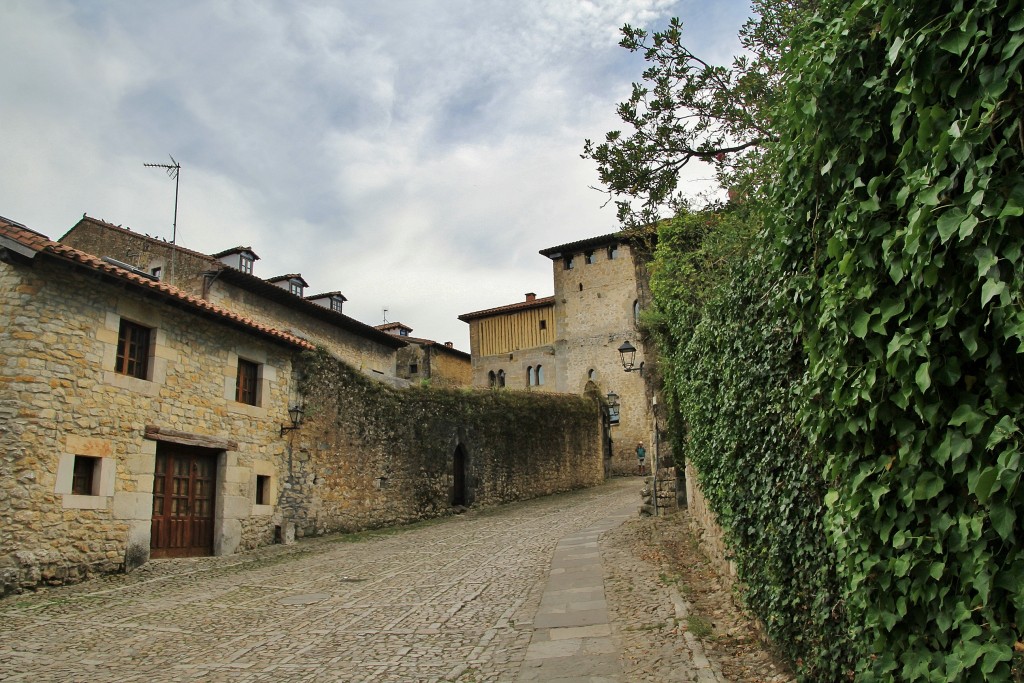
(371, 456)
(711, 535)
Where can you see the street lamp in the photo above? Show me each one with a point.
(627, 354)
(295, 415)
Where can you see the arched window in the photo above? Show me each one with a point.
(636, 311)
(529, 376)
(591, 374)
(501, 378)
(540, 375)
(492, 380)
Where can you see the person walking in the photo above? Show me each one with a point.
(641, 455)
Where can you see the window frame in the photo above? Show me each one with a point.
(568, 262)
(84, 477)
(132, 353)
(247, 382)
(246, 263)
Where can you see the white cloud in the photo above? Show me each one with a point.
(414, 154)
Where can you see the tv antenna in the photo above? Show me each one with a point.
(173, 171)
(385, 315)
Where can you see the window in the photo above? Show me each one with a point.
(132, 350)
(336, 304)
(402, 332)
(543, 324)
(636, 311)
(501, 378)
(581, 286)
(263, 489)
(540, 375)
(567, 263)
(529, 376)
(492, 379)
(246, 381)
(591, 374)
(155, 272)
(295, 288)
(84, 475)
(613, 252)
(245, 263)
(413, 368)
(588, 258)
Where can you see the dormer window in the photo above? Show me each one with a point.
(295, 287)
(245, 261)
(336, 304)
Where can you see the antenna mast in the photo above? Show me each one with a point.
(173, 171)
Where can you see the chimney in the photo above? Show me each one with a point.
(449, 345)
(530, 296)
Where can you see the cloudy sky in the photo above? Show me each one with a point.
(414, 154)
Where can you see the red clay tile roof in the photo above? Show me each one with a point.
(40, 244)
(521, 306)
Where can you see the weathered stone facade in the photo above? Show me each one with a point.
(204, 276)
(427, 362)
(60, 398)
(368, 455)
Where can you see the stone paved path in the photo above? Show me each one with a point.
(449, 601)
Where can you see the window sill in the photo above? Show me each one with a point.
(77, 502)
(129, 383)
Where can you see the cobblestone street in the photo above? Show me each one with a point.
(451, 600)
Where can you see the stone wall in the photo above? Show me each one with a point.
(371, 456)
(60, 397)
(711, 535)
(448, 369)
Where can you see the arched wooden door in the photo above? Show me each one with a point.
(184, 484)
(459, 465)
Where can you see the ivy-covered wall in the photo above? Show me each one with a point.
(369, 455)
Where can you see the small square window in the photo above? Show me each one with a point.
(567, 263)
(336, 304)
(263, 489)
(247, 381)
(413, 368)
(543, 324)
(613, 252)
(133, 350)
(156, 272)
(295, 288)
(588, 258)
(83, 477)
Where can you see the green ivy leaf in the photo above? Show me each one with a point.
(991, 289)
(923, 379)
(1003, 518)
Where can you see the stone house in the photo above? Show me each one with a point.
(425, 360)
(569, 342)
(227, 279)
(136, 420)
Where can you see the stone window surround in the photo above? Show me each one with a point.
(265, 376)
(159, 352)
(103, 477)
(263, 469)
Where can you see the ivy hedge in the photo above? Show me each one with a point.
(898, 211)
(848, 380)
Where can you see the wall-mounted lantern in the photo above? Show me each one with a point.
(627, 354)
(295, 415)
(613, 408)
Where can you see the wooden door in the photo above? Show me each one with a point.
(183, 502)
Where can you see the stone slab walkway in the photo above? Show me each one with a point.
(573, 640)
